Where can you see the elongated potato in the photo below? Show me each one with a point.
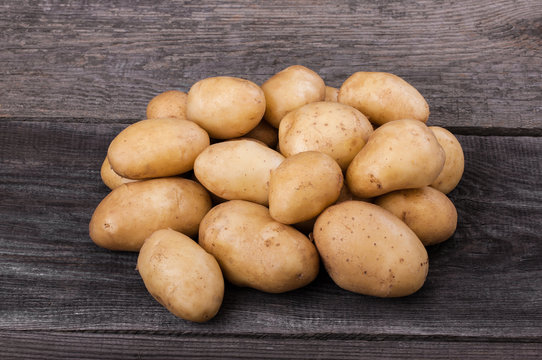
(237, 169)
(383, 97)
(132, 212)
(256, 251)
(110, 178)
(181, 276)
(169, 104)
(368, 250)
(157, 148)
(454, 166)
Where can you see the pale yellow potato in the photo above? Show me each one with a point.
(290, 89)
(366, 249)
(226, 107)
(181, 276)
(427, 211)
(402, 154)
(302, 186)
(332, 94)
(265, 133)
(110, 178)
(335, 129)
(346, 195)
(171, 103)
(237, 169)
(157, 148)
(256, 251)
(132, 212)
(383, 97)
(454, 166)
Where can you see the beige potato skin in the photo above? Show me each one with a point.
(181, 276)
(290, 89)
(367, 250)
(337, 130)
(302, 186)
(427, 211)
(383, 97)
(157, 148)
(132, 212)
(332, 94)
(226, 107)
(454, 166)
(401, 154)
(256, 251)
(169, 104)
(110, 178)
(237, 170)
(265, 133)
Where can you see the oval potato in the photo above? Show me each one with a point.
(454, 166)
(264, 133)
(110, 178)
(169, 104)
(332, 94)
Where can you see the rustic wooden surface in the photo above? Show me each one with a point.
(73, 75)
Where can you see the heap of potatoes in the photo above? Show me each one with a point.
(272, 179)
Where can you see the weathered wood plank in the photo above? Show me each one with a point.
(477, 62)
(68, 345)
(485, 282)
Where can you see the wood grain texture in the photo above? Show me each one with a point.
(484, 284)
(477, 62)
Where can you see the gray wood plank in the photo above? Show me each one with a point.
(477, 62)
(484, 283)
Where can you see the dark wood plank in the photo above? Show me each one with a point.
(477, 62)
(69, 345)
(484, 283)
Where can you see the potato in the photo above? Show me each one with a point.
(181, 276)
(132, 212)
(302, 186)
(237, 169)
(169, 104)
(290, 89)
(156, 148)
(264, 133)
(453, 168)
(256, 251)
(332, 94)
(367, 250)
(110, 178)
(337, 130)
(427, 211)
(383, 97)
(227, 107)
(402, 154)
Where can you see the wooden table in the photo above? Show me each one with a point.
(73, 75)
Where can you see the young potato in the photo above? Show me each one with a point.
(383, 97)
(256, 251)
(303, 186)
(157, 148)
(181, 276)
(337, 130)
(402, 154)
(332, 94)
(226, 107)
(290, 89)
(132, 212)
(264, 133)
(169, 104)
(427, 211)
(367, 250)
(110, 178)
(237, 169)
(454, 166)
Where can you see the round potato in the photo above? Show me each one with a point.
(157, 148)
(169, 104)
(289, 89)
(302, 186)
(237, 169)
(332, 94)
(383, 97)
(226, 107)
(181, 276)
(265, 133)
(132, 212)
(367, 250)
(427, 211)
(454, 166)
(110, 178)
(256, 251)
(337, 130)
